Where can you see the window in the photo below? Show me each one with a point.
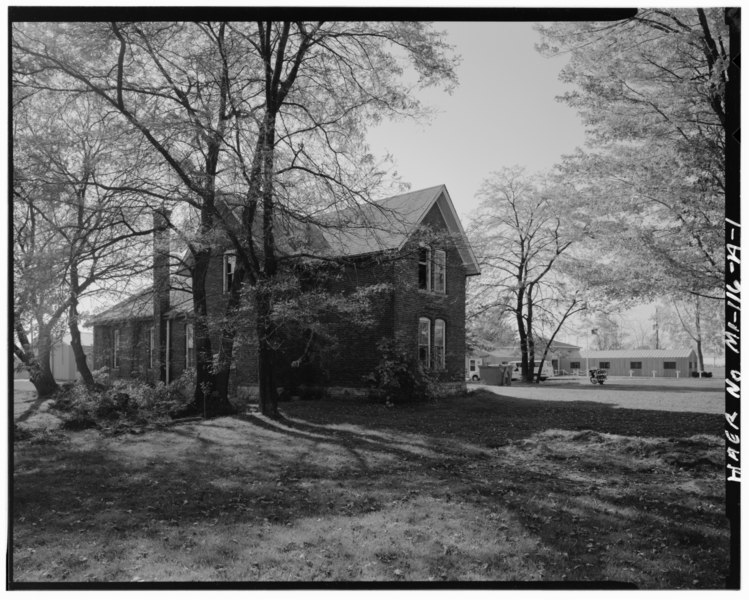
(151, 346)
(432, 269)
(604, 365)
(439, 344)
(574, 365)
(438, 271)
(425, 268)
(116, 348)
(230, 264)
(189, 345)
(635, 365)
(424, 340)
(669, 365)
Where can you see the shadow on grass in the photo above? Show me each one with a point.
(586, 516)
(486, 419)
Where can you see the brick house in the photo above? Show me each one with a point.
(150, 334)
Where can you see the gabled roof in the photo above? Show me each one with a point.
(376, 227)
(137, 306)
(388, 224)
(677, 353)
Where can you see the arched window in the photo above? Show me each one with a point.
(439, 344)
(424, 341)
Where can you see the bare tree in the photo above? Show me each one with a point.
(520, 238)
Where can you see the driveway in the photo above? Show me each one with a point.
(676, 395)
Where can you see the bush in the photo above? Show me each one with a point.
(399, 378)
(124, 403)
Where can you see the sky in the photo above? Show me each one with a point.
(504, 112)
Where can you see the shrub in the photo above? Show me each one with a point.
(399, 377)
(121, 404)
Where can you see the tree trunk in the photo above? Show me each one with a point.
(698, 335)
(266, 353)
(522, 334)
(206, 401)
(40, 373)
(75, 334)
(75, 344)
(228, 332)
(530, 375)
(266, 358)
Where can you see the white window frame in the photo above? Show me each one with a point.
(424, 321)
(439, 258)
(189, 349)
(230, 259)
(427, 265)
(115, 348)
(439, 350)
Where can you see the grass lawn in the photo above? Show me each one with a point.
(463, 489)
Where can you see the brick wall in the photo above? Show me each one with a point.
(356, 353)
(411, 303)
(133, 350)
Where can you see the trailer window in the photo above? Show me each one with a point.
(635, 365)
(604, 365)
(669, 365)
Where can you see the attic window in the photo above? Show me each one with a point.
(425, 268)
(230, 263)
(438, 271)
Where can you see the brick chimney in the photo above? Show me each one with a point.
(161, 287)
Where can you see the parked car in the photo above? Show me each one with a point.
(546, 370)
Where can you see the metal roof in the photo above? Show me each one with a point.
(383, 225)
(676, 353)
(388, 224)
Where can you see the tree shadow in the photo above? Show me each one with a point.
(460, 451)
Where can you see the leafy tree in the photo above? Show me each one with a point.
(271, 114)
(650, 91)
(72, 237)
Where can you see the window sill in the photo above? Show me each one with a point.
(433, 293)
